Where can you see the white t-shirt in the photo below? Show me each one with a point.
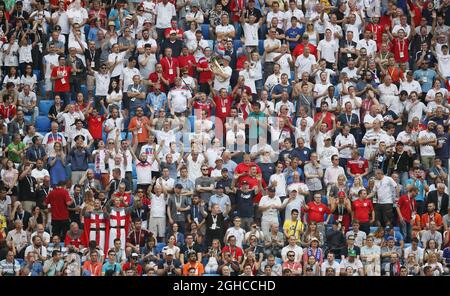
(304, 64)
(251, 34)
(427, 150)
(271, 43)
(218, 84)
(385, 189)
(387, 93)
(164, 14)
(179, 98)
(328, 50)
(444, 64)
(119, 66)
(270, 214)
(115, 124)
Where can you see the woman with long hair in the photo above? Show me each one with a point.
(9, 175)
(312, 232)
(115, 95)
(171, 245)
(149, 250)
(431, 248)
(213, 256)
(379, 237)
(57, 164)
(56, 108)
(250, 259)
(356, 187)
(28, 78)
(13, 77)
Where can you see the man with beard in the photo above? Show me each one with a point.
(96, 225)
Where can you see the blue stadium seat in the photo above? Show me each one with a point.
(211, 44)
(159, 247)
(192, 122)
(133, 172)
(237, 44)
(278, 260)
(373, 229)
(361, 151)
(261, 47)
(407, 245)
(44, 106)
(91, 166)
(84, 90)
(28, 118)
(211, 274)
(205, 30)
(38, 74)
(43, 124)
(134, 185)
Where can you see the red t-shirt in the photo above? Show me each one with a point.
(58, 199)
(203, 76)
(328, 119)
(167, 32)
(406, 205)
(377, 30)
(7, 111)
(203, 106)
(223, 103)
(357, 166)
(77, 242)
(316, 212)
(400, 50)
(362, 209)
(298, 50)
(126, 198)
(252, 184)
(169, 66)
(236, 252)
(188, 62)
(65, 72)
(153, 77)
(95, 126)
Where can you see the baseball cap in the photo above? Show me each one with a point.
(111, 23)
(172, 32)
(327, 137)
(293, 189)
(147, 21)
(352, 253)
(169, 252)
(129, 17)
(390, 238)
(134, 255)
(244, 183)
(228, 58)
(431, 122)
(341, 194)
(219, 186)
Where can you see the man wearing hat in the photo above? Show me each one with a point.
(221, 199)
(298, 50)
(178, 207)
(88, 140)
(78, 157)
(133, 263)
(169, 265)
(194, 15)
(351, 264)
(427, 141)
(222, 78)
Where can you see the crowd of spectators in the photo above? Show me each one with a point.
(231, 137)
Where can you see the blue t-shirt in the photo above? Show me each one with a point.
(427, 77)
(114, 12)
(443, 152)
(293, 33)
(420, 187)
